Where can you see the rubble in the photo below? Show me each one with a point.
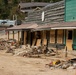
(2, 44)
(29, 51)
(35, 52)
(69, 64)
(24, 51)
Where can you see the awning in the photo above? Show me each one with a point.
(35, 27)
(2, 29)
(42, 27)
(60, 25)
(63, 28)
(65, 25)
(23, 27)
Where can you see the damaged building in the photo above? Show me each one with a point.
(54, 26)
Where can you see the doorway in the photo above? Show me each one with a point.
(69, 39)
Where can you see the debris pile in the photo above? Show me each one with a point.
(70, 64)
(2, 44)
(11, 44)
(23, 51)
(33, 51)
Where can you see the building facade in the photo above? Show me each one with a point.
(70, 15)
(56, 25)
(29, 6)
(53, 13)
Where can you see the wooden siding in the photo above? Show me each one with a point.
(70, 10)
(44, 40)
(38, 43)
(52, 13)
(60, 36)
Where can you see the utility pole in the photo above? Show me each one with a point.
(13, 17)
(16, 18)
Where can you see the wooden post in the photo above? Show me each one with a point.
(18, 36)
(48, 37)
(44, 40)
(24, 37)
(66, 52)
(29, 37)
(13, 34)
(8, 34)
(56, 36)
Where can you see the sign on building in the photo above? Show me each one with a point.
(42, 17)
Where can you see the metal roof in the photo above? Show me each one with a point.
(32, 4)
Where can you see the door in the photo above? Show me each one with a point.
(52, 36)
(60, 36)
(69, 39)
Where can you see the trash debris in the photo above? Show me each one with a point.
(62, 64)
(2, 44)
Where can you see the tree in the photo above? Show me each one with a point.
(5, 2)
(56, 0)
(8, 10)
(15, 2)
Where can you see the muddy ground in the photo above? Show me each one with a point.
(16, 65)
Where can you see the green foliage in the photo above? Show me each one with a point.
(55, 0)
(5, 2)
(7, 9)
(15, 2)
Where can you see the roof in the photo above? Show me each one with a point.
(23, 26)
(2, 29)
(53, 4)
(42, 27)
(27, 10)
(36, 27)
(60, 25)
(65, 25)
(32, 4)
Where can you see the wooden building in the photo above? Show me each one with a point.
(53, 13)
(57, 27)
(29, 6)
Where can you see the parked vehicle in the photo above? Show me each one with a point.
(10, 23)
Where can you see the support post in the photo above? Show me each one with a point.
(66, 52)
(18, 36)
(29, 37)
(8, 35)
(13, 34)
(55, 36)
(24, 37)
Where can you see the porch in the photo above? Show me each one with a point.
(56, 35)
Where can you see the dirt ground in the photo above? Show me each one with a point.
(16, 65)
